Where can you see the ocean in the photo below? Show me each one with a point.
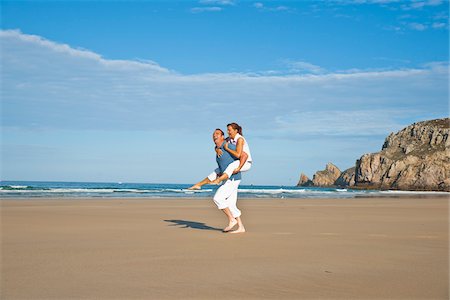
(41, 189)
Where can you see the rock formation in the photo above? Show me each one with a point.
(415, 158)
(304, 181)
(326, 177)
(347, 178)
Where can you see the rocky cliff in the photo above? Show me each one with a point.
(415, 158)
(304, 181)
(346, 178)
(326, 177)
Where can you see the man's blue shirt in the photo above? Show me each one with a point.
(225, 159)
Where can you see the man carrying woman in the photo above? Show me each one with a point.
(229, 170)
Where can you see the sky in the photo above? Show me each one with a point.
(131, 91)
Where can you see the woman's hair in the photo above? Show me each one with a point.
(235, 126)
(218, 129)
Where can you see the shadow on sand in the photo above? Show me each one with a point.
(191, 224)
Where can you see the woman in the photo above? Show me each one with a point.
(242, 152)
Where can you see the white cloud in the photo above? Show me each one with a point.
(417, 26)
(441, 16)
(260, 6)
(206, 9)
(35, 40)
(407, 10)
(349, 2)
(81, 90)
(420, 4)
(281, 8)
(397, 29)
(385, 1)
(437, 25)
(301, 66)
(406, 5)
(217, 2)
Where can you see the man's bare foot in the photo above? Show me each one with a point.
(195, 187)
(239, 230)
(230, 226)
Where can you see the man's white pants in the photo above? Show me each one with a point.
(226, 196)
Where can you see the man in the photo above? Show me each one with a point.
(226, 195)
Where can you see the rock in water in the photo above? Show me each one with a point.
(304, 181)
(415, 158)
(327, 177)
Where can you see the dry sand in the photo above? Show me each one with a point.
(376, 248)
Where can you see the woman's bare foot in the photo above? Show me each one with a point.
(195, 187)
(230, 226)
(216, 182)
(239, 230)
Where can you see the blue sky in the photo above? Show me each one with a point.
(131, 90)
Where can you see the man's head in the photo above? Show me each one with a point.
(218, 136)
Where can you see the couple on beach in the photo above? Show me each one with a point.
(232, 157)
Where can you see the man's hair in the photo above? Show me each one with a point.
(236, 127)
(218, 129)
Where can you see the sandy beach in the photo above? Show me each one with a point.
(367, 248)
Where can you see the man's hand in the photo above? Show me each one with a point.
(219, 152)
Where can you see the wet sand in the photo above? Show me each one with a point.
(374, 248)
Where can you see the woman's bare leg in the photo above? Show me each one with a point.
(199, 185)
(222, 177)
(234, 168)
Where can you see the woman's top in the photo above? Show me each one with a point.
(246, 148)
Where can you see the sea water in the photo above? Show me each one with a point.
(38, 189)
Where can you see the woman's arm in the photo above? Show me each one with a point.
(239, 146)
(242, 161)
